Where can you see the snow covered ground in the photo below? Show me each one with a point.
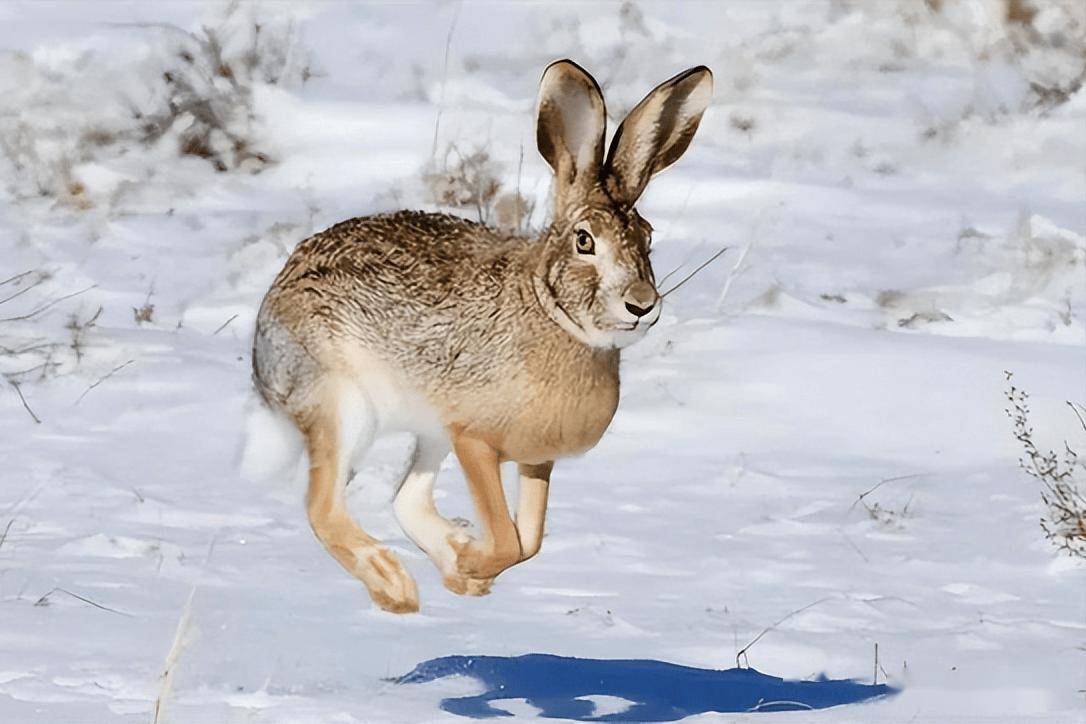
(915, 227)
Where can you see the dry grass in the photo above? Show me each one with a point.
(169, 667)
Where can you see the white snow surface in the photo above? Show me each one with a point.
(915, 228)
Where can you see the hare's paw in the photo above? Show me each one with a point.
(475, 560)
(465, 586)
(390, 585)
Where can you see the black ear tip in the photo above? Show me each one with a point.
(699, 70)
(697, 76)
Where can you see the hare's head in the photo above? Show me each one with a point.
(595, 278)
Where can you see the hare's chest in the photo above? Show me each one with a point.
(555, 424)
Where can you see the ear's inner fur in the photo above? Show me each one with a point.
(570, 129)
(656, 133)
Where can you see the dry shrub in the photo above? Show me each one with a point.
(465, 182)
(512, 212)
(192, 93)
(1062, 476)
(1043, 40)
(208, 84)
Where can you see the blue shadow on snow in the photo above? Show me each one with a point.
(658, 691)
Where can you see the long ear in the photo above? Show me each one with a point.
(656, 132)
(570, 128)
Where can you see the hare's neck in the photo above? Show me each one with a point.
(559, 330)
(548, 306)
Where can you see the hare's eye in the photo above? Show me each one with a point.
(585, 243)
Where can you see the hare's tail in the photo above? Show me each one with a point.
(272, 446)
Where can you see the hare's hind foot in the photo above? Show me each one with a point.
(442, 540)
(341, 423)
(420, 519)
(390, 585)
(477, 560)
(474, 562)
(466, 586)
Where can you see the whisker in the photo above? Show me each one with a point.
(690, 276)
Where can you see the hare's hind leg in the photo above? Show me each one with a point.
(420, 519)
(333, 430)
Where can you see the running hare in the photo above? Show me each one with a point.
(498, 348)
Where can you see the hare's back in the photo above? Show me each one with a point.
(408, 251)
(386, 263)
(387, 281)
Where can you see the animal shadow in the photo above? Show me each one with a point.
(656, 690)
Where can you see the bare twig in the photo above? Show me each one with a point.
(771, 627)
(18, 504)
(1078, 413)
(44, 601)
(47, 305)
(16, 277)
(103, 378)
(79, 331)
(224, 325)
(29, 348)
(523, 220)
(701, 266)
(882, 482)
(24, 290)
(444, 78)
(15, 384)
(855, 547)
(733, 274)
(44, 367)
(4, 536)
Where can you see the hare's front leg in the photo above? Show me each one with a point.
(498, 546)
(532, 506)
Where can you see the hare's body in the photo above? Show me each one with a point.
(435, 319)
(496, 347)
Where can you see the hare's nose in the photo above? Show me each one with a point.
(640, 298)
